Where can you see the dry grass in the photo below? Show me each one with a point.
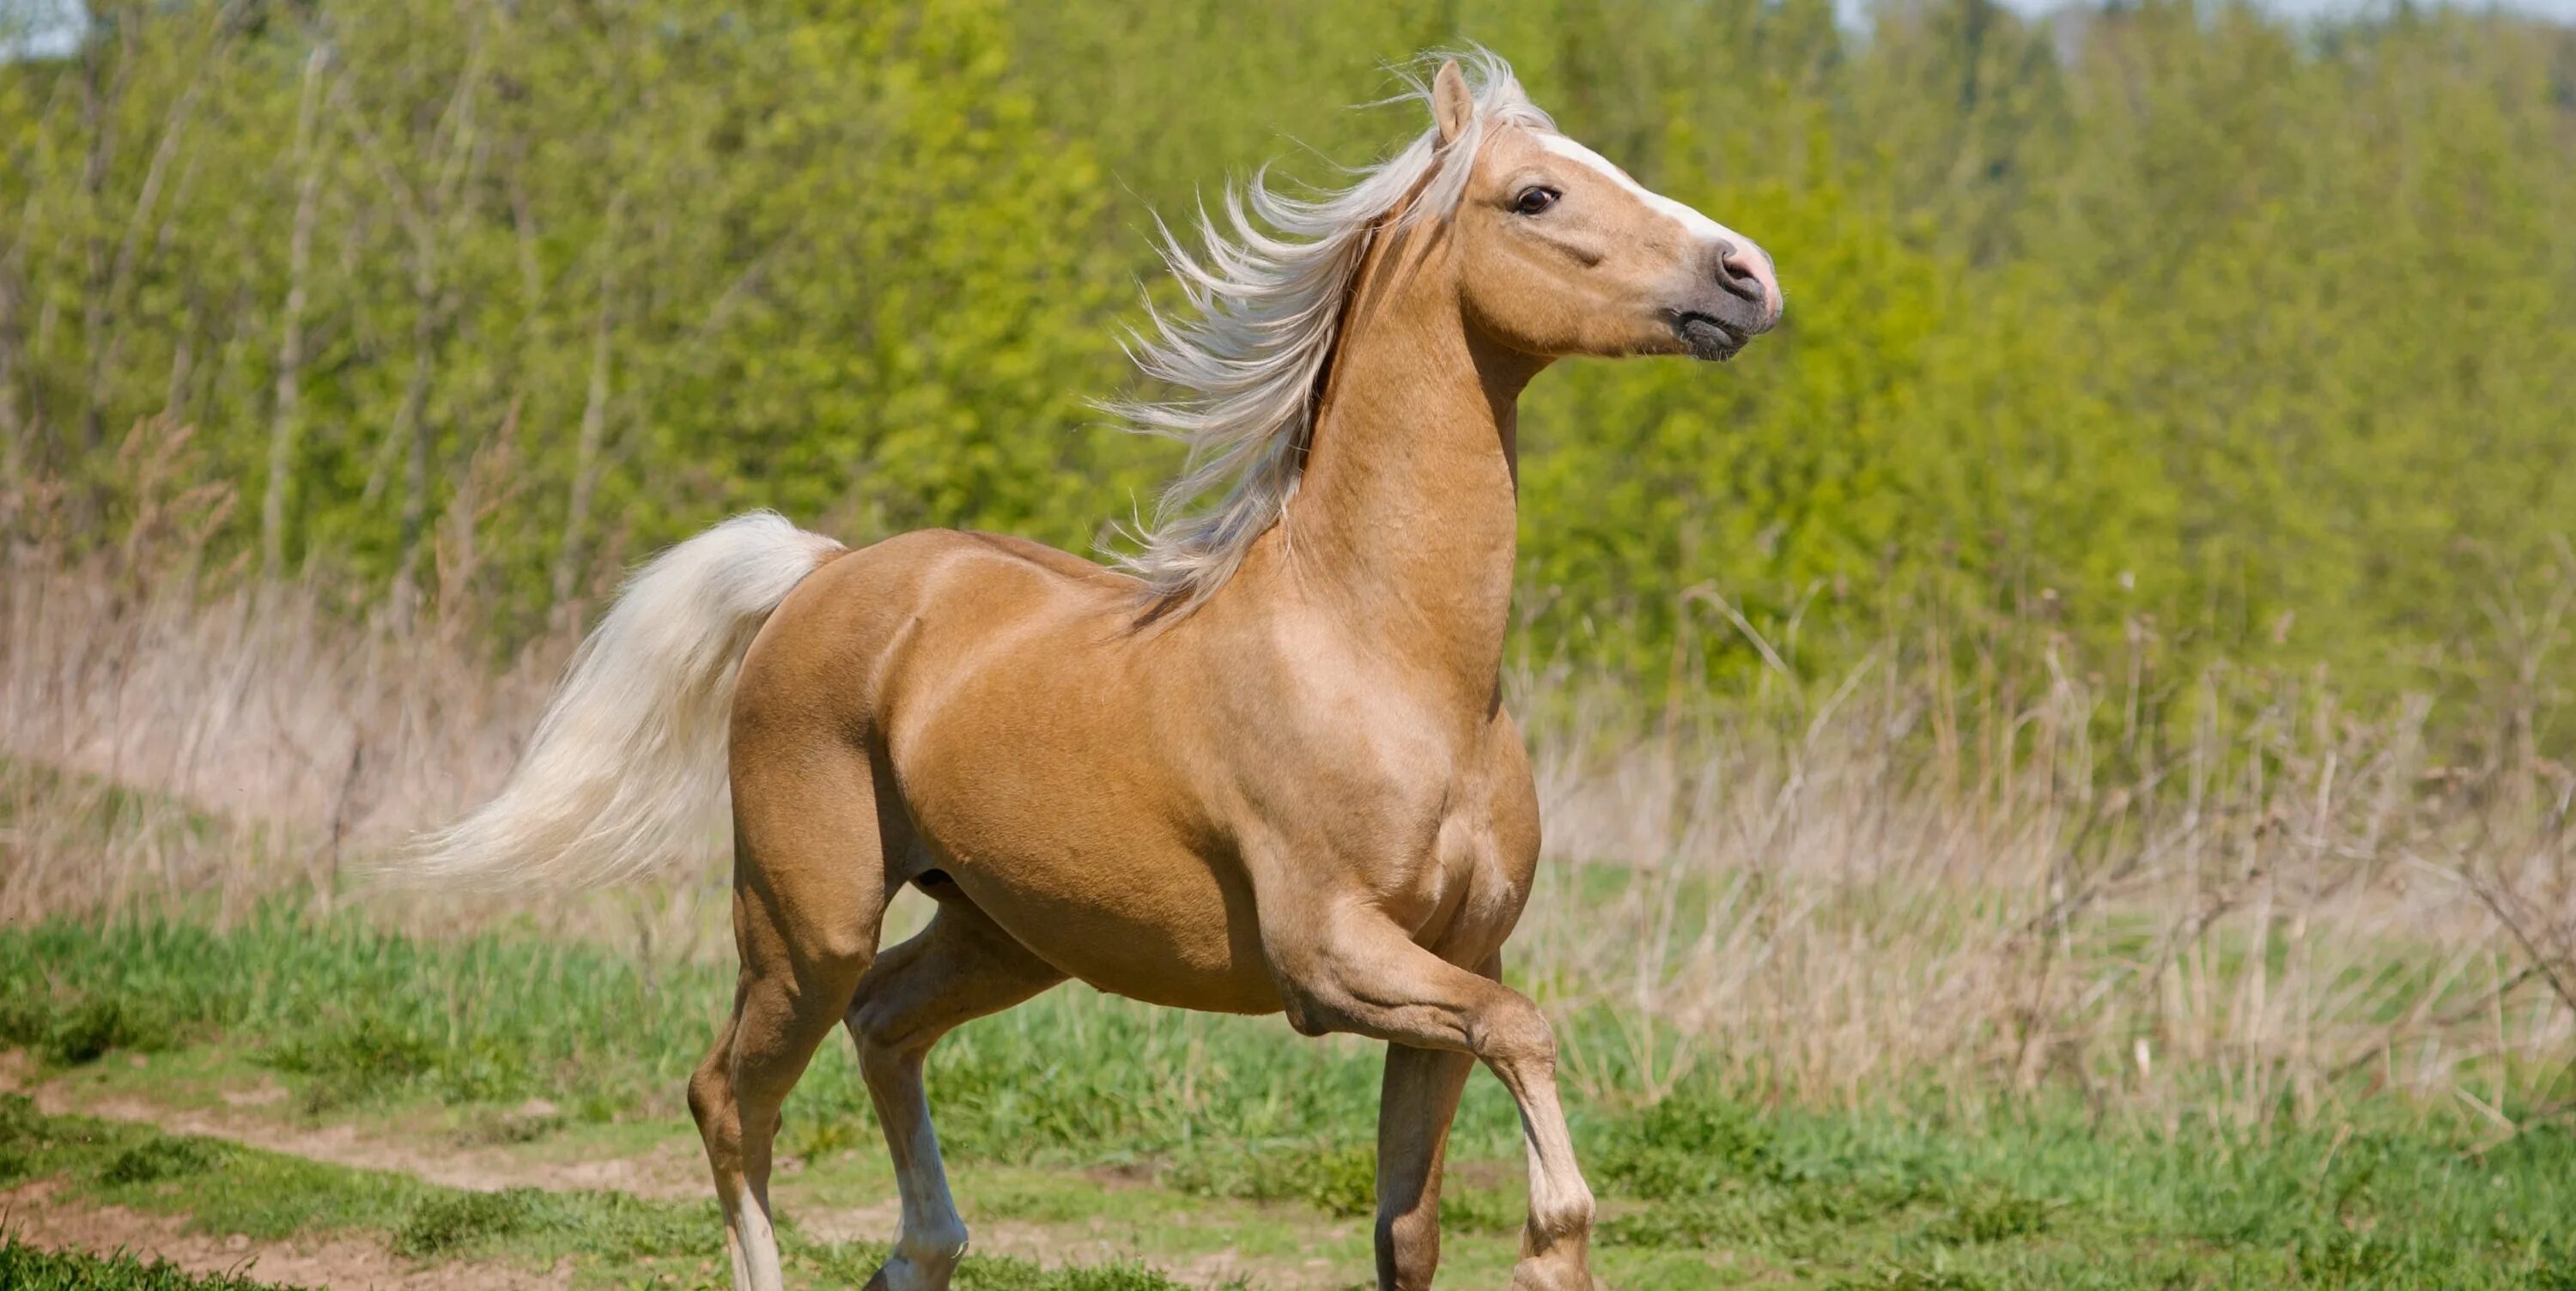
(2253, 903)
(2291, 909)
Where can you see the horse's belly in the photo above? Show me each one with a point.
(1166, 930)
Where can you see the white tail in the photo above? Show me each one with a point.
(627, 771)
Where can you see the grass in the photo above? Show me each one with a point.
(613, 1237)
(1704, 1187)
(24, 1268)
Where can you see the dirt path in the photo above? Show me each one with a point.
(667, 1172)
(35, 1216)
(662, 1174)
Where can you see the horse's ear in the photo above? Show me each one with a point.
(1451, 105)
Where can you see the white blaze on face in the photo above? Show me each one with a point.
(1693, 223)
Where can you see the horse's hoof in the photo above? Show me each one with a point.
(1554, 1275)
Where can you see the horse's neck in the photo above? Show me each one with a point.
(1405, 520)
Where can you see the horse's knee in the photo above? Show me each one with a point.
(1510, 1031)
(710, 1096)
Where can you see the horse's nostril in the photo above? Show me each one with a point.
(1738, 273)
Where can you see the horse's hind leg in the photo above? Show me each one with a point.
(809, 894)
(959, 968)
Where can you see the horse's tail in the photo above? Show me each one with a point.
(627, 770)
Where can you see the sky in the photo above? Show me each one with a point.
(50, 28)
(38, 28)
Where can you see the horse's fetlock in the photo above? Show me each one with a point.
(924, 1260)
(1555, 1218)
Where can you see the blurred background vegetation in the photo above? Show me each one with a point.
(2063, 749)
(2120, 341)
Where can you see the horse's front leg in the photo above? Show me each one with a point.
(1413, 1113)
(1350, 969)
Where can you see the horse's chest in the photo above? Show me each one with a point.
(1466, 893)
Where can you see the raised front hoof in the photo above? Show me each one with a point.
(1554, 1273)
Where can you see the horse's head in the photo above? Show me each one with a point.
(1559, 252)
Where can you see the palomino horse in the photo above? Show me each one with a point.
(1262, 768)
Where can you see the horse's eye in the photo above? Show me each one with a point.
(1535, 199)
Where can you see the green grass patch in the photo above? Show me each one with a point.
(614, 1238)
(157, 1159)
(1705, 1187)
(851, 1263)
(25, 1268)
(68, 1029)
(1339, 1181)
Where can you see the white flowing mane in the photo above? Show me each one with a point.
(1265, 309)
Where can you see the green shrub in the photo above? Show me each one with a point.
(94, 1026)
(158, 1159)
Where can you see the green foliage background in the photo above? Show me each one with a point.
(2168, 329)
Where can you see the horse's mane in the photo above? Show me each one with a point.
(1265, 310)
